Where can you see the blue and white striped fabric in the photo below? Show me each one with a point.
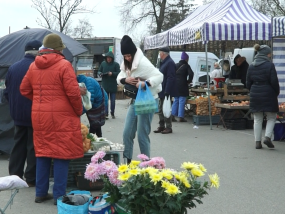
(219, 20)
(279, 62)
(278, 26)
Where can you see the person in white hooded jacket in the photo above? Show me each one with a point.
(137, 69)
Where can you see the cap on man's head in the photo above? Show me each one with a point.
(127, 45)
(184, 56)
(53, 41)
(33, 45)
(164, 49)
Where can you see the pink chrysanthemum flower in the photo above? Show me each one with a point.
(143, 157)
(108, 166)
(97, 156)
(91, 172)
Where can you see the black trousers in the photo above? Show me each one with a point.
(96, 130)
(22, 151)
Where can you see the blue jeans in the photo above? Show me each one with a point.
(140, 124)
(60, 169)
(178, 106)
(112, 97)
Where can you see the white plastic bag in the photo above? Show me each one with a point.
(166, 108)
(86, 98)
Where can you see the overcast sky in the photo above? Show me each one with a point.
(17, 14)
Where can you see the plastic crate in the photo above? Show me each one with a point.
(78, 167)
(205, 119)
(236, 123)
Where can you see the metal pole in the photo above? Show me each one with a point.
(208, 85)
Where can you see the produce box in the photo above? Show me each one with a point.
(205, 119)
(236, 123)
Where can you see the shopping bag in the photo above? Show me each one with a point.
(166, 108)
(64, 208)
(145, 102)
(99, 206)
(86, 98)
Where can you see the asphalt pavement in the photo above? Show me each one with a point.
(251, 180)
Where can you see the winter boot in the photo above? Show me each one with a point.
(267, 141)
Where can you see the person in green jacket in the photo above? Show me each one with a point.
(109, 70)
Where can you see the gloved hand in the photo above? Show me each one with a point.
(166, 95)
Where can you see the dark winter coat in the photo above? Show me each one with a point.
(20, 106)
(239, 70)
(183, 72)
(109, 83)
(262, 81)
(168, 68)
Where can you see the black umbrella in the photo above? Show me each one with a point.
(12, 46)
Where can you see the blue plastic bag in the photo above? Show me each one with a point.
(100, 206)
(64, 208)
(145, 102)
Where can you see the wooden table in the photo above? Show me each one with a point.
(238, 109)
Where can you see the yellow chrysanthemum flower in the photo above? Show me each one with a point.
(203, 169)
(134, 162)
(156, 177)
(187, 184)
(189, 165)
(171, 189)
(177, 176)
(151, 170)
(134, 171)
(164, 184)
(166, 175)
(215, 180)
(197, 172)
(124, 177)
(123, 168)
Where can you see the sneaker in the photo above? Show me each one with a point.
(106, 117)
(113, 117)
(40, 199)
(31, 184)
(159, 130)
(173, 118)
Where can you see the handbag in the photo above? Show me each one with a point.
(96, 116)
(130, 91)
(145, 102)
(86, 98)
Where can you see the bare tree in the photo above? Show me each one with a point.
(83, 29)
(56, 13)
(159, 14)
(269, 7)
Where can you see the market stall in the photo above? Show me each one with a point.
(223, 20)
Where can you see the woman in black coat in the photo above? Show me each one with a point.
(262, 81)
(184, 76)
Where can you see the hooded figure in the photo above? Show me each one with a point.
(262, 81)
(239, 69)
(109, 70)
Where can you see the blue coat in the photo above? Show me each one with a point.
(20, 106)
(94, 88)
(168, 68)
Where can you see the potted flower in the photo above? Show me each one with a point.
(147, 186)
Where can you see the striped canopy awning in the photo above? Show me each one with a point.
(220, 20)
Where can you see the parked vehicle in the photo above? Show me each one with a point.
(197, 62)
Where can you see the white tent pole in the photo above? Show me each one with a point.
(208, 85)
